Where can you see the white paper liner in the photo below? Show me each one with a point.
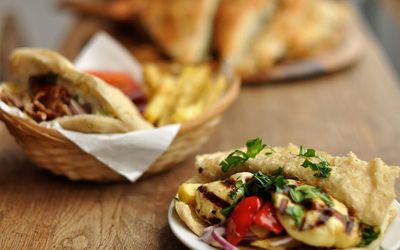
(129, 154)
(104, 53)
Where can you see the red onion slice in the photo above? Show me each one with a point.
(217, 236)
(206, 236)
(280, 242)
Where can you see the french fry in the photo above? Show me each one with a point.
(194, 86)
(152, 79)
(188, 113)
(160, 102)
(179, 85)
(181, 96)
(214, 90)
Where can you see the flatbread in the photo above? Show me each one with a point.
(121, 114)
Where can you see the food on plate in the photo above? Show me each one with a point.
(290, 197)
(252, 35)
(176, 96)
(49, 88)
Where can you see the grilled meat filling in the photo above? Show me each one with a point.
(46, 100)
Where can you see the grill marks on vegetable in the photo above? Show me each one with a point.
(326, 213)
(216, 200)
(229, 183)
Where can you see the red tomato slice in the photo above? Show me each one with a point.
(119, 80)
(266, 218)
(241, 218)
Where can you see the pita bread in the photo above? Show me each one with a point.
(120, 113)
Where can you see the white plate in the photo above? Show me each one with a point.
(192, 241)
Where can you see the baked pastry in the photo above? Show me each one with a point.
(299, 29)
(49, 88)
(182, 28)
(237, 23)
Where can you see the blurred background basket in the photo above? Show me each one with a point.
(50, 150)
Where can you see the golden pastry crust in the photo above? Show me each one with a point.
(122, 115)
(182, 28)
(299, 29)
(237, 22)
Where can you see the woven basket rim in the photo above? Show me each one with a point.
(217, 109)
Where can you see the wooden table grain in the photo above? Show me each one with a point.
(356, 109)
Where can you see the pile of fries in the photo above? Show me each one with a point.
(179, 95)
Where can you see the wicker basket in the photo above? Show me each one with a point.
(50, 150)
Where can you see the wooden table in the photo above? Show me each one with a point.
(357, 109)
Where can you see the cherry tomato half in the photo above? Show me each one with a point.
(266, 218)
(241, 218)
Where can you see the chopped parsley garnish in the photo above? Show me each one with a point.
(314, 162)
(271, 150)
(241, 190)
(381, 248)
(260, 185)
(239, 157)
(296, 212)
(368, 234)
(305, 193)
(227, 210)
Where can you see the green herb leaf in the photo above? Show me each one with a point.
(271, 150)
(322, 167)
(302, 151)
(306, 192)
(260, 185)
(381, 248)
(307, 152)
(296, 212)
(369, 234)
(239, 157)
(227, 210)
(235, 158)
(296, 195)
(239, 192)
(254, 147)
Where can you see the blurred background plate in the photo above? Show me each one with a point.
(344, 55)
(96, 16)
